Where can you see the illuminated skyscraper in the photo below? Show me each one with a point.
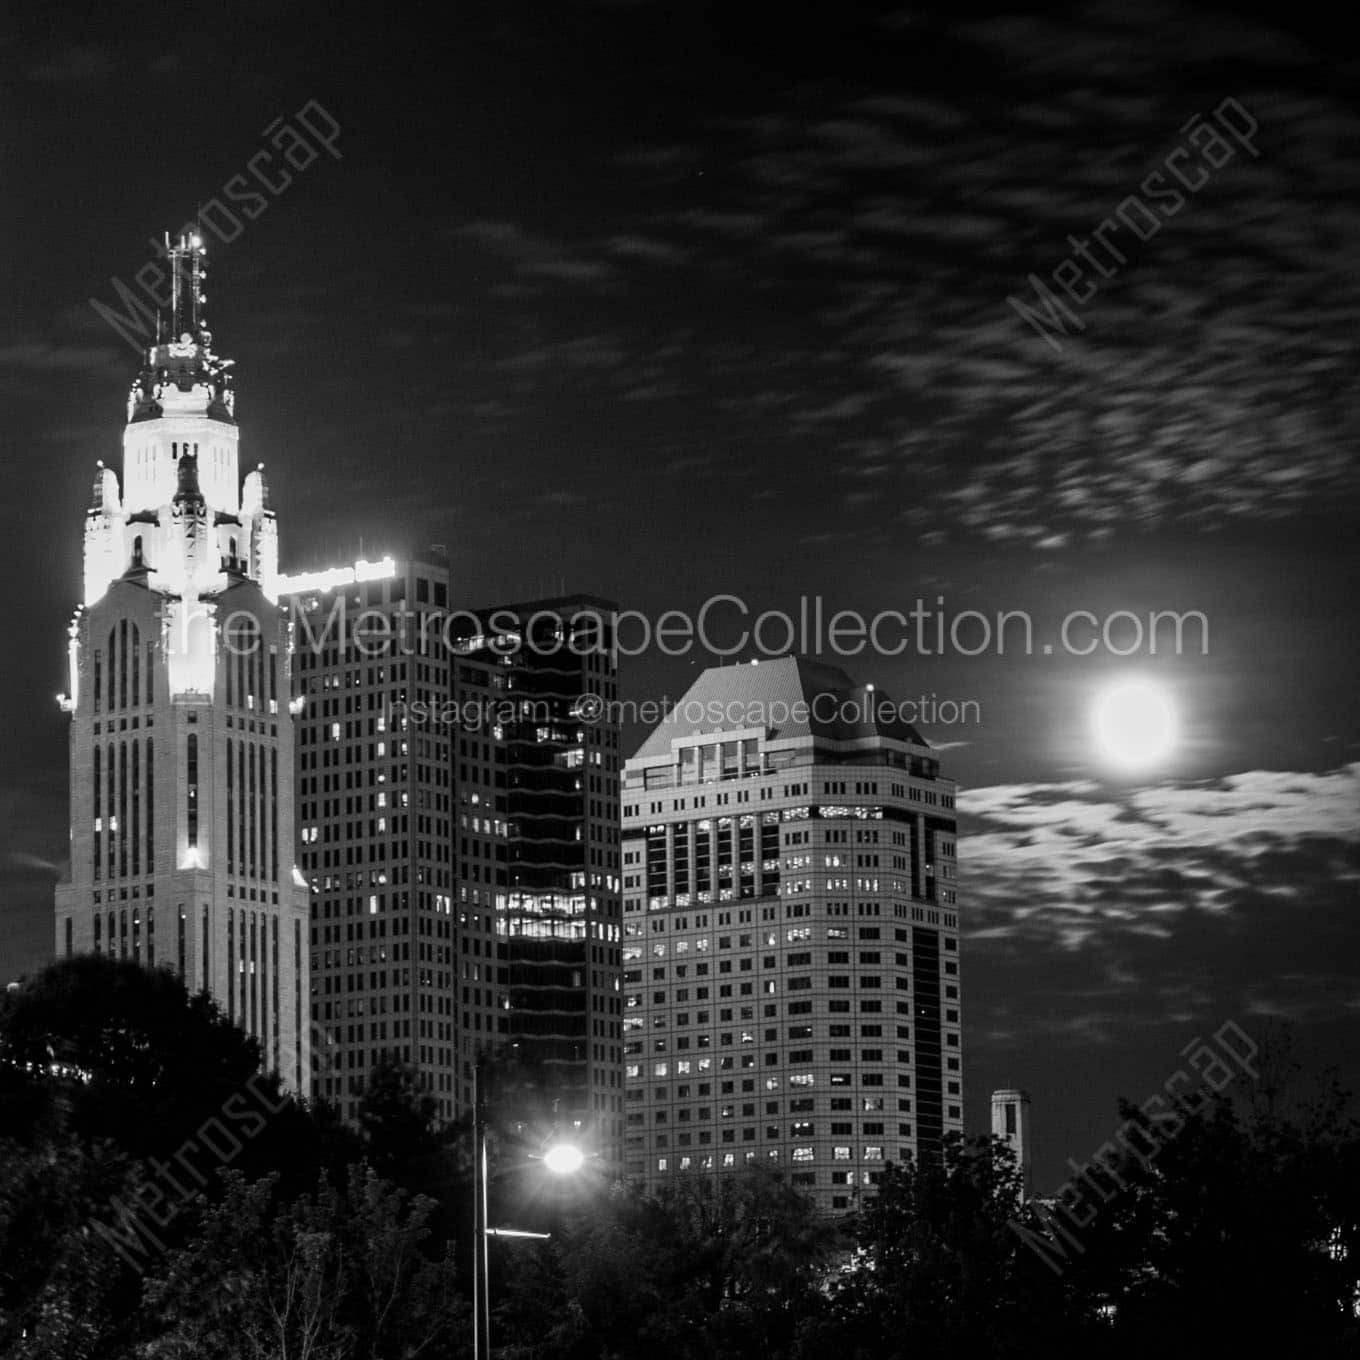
(181, 758)
(791, 934)
(374, 820)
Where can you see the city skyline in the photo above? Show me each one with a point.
(579, 350)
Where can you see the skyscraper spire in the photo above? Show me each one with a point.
(183, 360)
(187, 275)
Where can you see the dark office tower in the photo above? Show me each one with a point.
(181, 738)
(537, 779)
(375, 820)
(790, 954)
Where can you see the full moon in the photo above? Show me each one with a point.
(1135, 724)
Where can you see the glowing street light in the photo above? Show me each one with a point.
(564, 1159)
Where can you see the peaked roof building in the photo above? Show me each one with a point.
(791, 935)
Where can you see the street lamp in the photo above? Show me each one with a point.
(564, 1159)
(561, 1158)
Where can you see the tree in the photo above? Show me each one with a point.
(64, 1290)
(1242, 1233)
(100, 1047)
(338, 1275)
(397, 1117)
(95, 1048)
(936, 1271)
(715, 1266)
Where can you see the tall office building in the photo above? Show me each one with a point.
(791, 964)
(181, 758)
(458, 825)
(373, 780)
(539, 907)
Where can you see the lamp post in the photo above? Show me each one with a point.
(562, 1159)
(481, 1287)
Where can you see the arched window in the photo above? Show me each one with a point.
(137, 551)
(113, 667)
(191, 789)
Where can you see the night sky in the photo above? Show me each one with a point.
(661, 301)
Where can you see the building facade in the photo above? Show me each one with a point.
(791, 943)
(459, 833)
(181, 748)
(374, 789)
(539, 903)
(1010, 1123)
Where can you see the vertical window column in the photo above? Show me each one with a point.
(150, 807)
(135, 827)
(122, 809)
(231, 805)
(98, 837)
(191, 789)
(274, 813)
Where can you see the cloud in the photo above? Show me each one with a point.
(636, 247)
(836, 271)
(1152, 901)
(44, 357)
(76, 69)
(1205, 384)
(536, 255)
